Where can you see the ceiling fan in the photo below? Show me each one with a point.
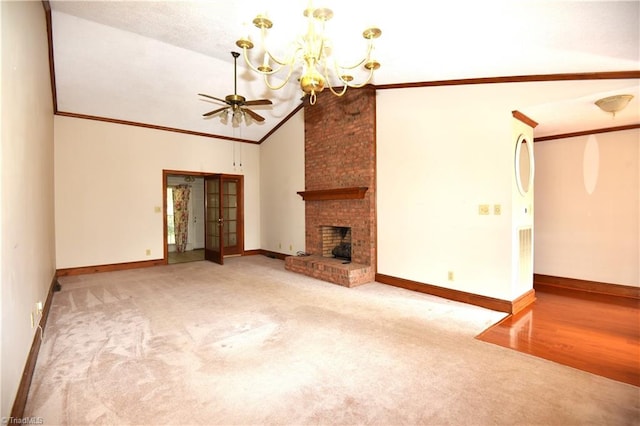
(236, 103)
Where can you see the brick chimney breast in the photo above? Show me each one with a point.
(340, 152)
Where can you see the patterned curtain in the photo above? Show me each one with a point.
(181, 195)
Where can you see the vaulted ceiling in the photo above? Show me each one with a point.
(146, 61)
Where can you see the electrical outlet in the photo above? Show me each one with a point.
(483, 209)
(279, 245)
(148, 252)
(497, 209)
(290, 247)
(450, 275)
(33, 320)
(39, 308)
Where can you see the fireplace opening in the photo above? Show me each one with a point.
(336, 242)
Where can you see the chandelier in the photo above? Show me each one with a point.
(313, 51)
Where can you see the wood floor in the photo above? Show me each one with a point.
(187, 256)
(595, 333)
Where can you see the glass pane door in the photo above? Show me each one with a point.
(230, 213)
(213, 249)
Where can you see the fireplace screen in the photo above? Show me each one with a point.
(336, 241)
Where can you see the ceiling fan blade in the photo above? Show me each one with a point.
(259, 102)
(253, 115)
(235, 101)
(213, 97)
(214, 111)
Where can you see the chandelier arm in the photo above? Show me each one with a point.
(340, 93)
(366, 58)
(276, 87)
(282, 63)
(362, 61)
(345, 83)
(289, 62)
(326, 76)
(358, 85)
(254, 68)
(321, 37)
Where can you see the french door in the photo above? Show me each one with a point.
(224, 230)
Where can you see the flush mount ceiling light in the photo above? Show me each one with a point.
(613, 104)
(312, 51)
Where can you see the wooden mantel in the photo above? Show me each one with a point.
(353, 193)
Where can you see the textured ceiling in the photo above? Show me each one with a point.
(146, 61)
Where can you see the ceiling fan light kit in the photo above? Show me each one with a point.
(313, 51)
(613, 104)
(235, 103)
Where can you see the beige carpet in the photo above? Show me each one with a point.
(250, 343)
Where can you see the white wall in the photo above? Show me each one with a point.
(587, 208)
(27, 258)
(441, 154)
(108, 180)
(281, 177)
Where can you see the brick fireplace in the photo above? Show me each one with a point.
(339, 191)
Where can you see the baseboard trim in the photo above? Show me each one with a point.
(82, 270)
(273, 254)
(523, 301)
(461, 296)
(543, 282)
(20, 401)
(108, 268)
